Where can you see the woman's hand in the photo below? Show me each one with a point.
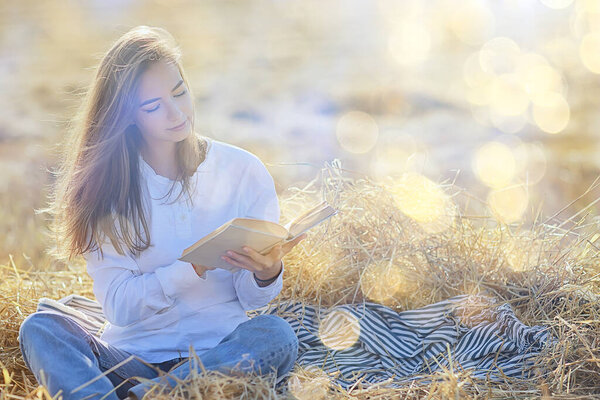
(201, 269)
(264, 267)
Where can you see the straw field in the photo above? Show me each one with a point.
(381, 247)
(493, 100)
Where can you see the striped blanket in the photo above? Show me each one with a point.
(369, 343)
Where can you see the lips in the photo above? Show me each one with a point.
(178, 127)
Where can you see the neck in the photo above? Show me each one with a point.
(162, 159)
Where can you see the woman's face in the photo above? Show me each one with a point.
(164, 110)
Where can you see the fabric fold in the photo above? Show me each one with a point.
(482, 338)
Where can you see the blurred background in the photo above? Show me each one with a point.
(498, 97)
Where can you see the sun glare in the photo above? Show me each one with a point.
(509, 204)
(381, 281)
(409, 43)
(357, 132)
(313, 384)
(424, 201)
(551, 113)
(339, 330)
(494, 164)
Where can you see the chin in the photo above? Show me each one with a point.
(187, 134)
(180, 136)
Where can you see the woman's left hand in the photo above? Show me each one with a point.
(266, 266)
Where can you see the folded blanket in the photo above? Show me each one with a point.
(372, 343)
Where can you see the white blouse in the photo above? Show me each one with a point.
(158, 306)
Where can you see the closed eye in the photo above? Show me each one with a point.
(153, 109)
(158, 105)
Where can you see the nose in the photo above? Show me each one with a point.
(174, 114)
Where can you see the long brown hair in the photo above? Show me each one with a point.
(98, 191)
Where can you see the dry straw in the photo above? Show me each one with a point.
(549, 272)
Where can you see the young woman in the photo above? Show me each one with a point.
(138, 186)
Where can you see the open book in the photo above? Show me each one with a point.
(257, 234)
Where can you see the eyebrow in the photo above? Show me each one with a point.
(158, 98)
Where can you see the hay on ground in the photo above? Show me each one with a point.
(381, 247)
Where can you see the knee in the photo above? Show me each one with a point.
(278, 329)
(39, 322)
(32, 323)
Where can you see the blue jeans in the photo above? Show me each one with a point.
(64, 356)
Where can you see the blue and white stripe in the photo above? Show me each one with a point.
(489, 341)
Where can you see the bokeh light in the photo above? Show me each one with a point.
(311, 383)
(508, 204)
(522, 252)
(508, 123)
(409, 43)
(557, 4)
(479, 81)
(494, 164)
(499, 56)
(507, 81)
(589, 52)
(543, 79)
(390, 160)
(424, 201)
(480, 114)
(393, 155)
(381, 281)
(472, 22)
(563, 52)
(339, 330)
(470, 310)
(509, 96)
(531, 162)
(590, 6)
(578, 23)
(538, 76)
(473, 74)
(480, 95)
(357, 132)
(551, 113)
(528, 61)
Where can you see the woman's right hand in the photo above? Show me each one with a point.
(201, 269)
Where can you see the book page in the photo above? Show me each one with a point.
(309, 219)
(258, 225)
(249, 224)
(234, 237)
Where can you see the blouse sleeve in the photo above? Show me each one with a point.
(258, 188)
(127, 295)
